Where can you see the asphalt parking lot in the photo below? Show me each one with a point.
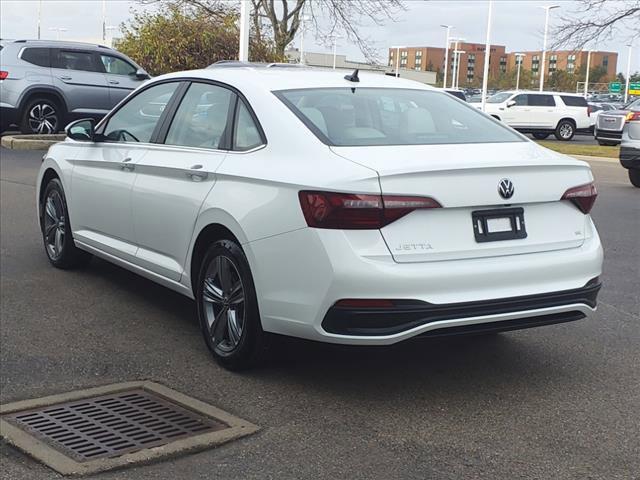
(558, 402)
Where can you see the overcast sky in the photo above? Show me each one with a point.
(518, 24)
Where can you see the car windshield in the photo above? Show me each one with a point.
(634, 105)
(499, 97)
(392, 116)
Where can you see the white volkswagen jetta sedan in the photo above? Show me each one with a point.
(358, 209)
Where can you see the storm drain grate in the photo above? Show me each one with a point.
(114, 426)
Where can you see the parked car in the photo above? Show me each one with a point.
(47, 83)
(358, 209)
(609, 125)
(541, 113)
(630, 147)
(456, 93)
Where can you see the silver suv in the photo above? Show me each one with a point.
(45, 84)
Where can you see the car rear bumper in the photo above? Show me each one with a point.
(300, 275)
(614, 136)
(8, 116)
(540, 309)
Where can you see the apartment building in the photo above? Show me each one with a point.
(471, 62)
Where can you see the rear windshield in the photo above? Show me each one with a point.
(571, 101)
(392, 116)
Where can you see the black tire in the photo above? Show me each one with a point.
(56, 229)
(540, 136)
(41, 116)
(231, 350)
(565, 130)
(634, 177)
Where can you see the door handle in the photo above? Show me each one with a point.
(66, 78)
(196, 176)
(127, 166)
(114, 82)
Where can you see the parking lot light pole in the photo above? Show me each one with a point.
(39, 16)
(487, 53)
(303, 19)
(586, 79)
(626, 87)
(335, 47)
(457, 54)
(243, 50)
(446, 55)
(397, 59)
(547, 9)
(519, 57)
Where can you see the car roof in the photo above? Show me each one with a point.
(284, 77)
(56, 44)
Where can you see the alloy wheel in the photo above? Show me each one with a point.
(43, 118)
(566, 130)
(223, 304)
(54, 225)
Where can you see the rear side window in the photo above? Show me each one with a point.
(571, 101)
(392, 116)
(75, 60)
(201, 119)
(36, 56)
(246, 133)
(541, 101)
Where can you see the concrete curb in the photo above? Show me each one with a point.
(30, 142)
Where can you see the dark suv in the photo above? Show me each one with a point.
(44, 84)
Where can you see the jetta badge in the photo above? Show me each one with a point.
(505, 188)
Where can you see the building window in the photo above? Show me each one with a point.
(605, 61)
(404, 54)
(403, 61)
(535, 64)
(419, 53)
(418, 60)
(418, 68)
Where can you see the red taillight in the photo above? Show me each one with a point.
(583, 196)
(354, 211)
(633, 117)
(588, 110)
(3, 74)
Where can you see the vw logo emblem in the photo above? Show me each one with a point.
(505, 188)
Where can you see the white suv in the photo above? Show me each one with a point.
(541, 113)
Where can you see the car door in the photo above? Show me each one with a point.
(121, 77)
(543, 112)
(104, 173)
(174, 179)
(78, 75)
(518, 114)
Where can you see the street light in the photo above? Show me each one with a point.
(243, 45)
(487, 53)
(303, 18)
(397, 59)
(335, 46)
(586, 80)
(58, 30)
(39, 16)
(446, 55)
(519, 57)
(456, 57)
(626, 87)
(453, 76)
(544, 41)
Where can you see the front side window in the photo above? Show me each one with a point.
(136, 120)
(391, 116)
(246, 133)
(521, 100)
(201, 119)
(117, 66)
(75, 60)
(499, 97)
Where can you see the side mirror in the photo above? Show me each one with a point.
(142, 75)
(511, 103)
(81, 130)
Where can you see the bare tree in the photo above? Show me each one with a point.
(282, 18)
(597, 20)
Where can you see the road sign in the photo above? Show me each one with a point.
(634, 88)
(615, 87)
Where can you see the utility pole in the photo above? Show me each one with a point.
(519, 57)
(487, 53)
(586, 80)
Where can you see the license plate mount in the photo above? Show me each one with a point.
(498, 224)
